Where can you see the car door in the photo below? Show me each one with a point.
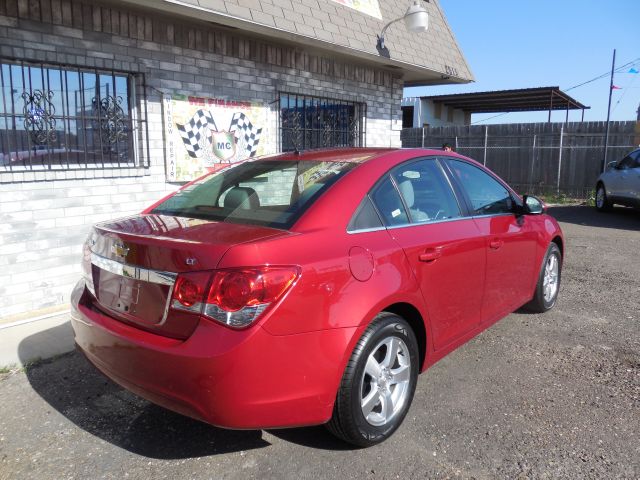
(619, 178)
(635, 181)
(443, 246)
(510, 239)
(629, 187)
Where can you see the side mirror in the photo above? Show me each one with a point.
(533, 205)
(611, 165)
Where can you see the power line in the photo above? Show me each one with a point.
(617, 70)
(495, 116)
(626, 90)
(632, 63)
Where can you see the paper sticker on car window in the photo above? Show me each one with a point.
(411, 174)
(396, 213)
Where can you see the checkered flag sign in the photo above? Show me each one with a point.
(196, 130)
(245, 132)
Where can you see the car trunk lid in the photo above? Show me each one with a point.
(133, 264)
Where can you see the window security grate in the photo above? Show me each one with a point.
(308, 122)
(55, 117)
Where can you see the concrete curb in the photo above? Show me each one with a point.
(39, 338)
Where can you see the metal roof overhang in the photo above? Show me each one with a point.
(521, 100)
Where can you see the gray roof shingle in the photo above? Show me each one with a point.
(435, 51)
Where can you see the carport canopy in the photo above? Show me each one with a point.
(519, 100)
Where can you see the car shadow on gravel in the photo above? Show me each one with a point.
(313, 437)
(77, 390)
(73, 387)
(621, 218)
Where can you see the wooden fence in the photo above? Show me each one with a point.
(536, 157)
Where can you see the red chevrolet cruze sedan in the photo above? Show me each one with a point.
(310, 288)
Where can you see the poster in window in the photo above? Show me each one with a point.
(205, 134)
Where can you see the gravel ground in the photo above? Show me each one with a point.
(535, 396)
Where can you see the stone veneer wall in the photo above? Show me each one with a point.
(45, 216)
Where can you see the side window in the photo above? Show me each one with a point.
(365, 217)
(626, 162)
(387, 200)
(426, 191)
(487, 195)
(636, 156)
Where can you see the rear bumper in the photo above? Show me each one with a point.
(233, 379)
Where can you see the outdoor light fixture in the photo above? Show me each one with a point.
(416, 19)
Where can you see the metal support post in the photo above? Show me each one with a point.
(560, 157)
(533, 160)
(486, 138)
(606, 132)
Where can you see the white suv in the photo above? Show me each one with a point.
(620, 184)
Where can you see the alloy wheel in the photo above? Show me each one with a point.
(385, 381)
(600, 197)
(550, 281)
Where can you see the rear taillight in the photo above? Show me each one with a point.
(235, 297)
(189, 291)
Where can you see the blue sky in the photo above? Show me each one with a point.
(526, 43)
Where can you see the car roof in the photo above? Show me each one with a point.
(351, 154)
(337, 205)
(361, 155)
(354, 155)
(351, 188)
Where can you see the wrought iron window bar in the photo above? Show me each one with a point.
(58, 117)
(309, 122)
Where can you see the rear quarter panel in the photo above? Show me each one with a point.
(327, 295)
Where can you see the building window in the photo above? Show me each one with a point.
(308, 122)
(67, 118)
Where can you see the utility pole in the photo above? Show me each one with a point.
(638, 125)
(606, 132)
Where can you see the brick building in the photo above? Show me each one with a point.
(106, 107)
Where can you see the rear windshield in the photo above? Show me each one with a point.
(264, 192)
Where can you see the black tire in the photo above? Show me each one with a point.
(603, 204)
(348, 421)
(540, 303)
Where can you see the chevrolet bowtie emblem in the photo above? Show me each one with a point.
(119, 249)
